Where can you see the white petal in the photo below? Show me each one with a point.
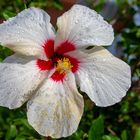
(57, 108)
(104, 77)
(83, 27)
(27, 32)
(18, 81)
(19, 59)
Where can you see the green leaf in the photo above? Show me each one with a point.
(137, 104)
(20, 138)
(97, 129)
(125, 108)
(137, 134)
(124, 135)
(7, 14)
(58, 6)
(110, 137)
(11, 133)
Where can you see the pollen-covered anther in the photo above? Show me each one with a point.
(63, 65)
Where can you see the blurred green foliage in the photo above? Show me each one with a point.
(118, 122)
(9, 8)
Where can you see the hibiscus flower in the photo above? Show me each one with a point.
(47, 66)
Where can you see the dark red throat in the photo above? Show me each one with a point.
(54, 56)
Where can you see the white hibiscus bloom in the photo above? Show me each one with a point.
(45, 67)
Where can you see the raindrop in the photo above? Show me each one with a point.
(76, 21)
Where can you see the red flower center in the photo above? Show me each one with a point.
(58, 59)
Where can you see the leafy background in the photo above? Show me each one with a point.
(118, 122)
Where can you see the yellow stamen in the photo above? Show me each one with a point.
(63, 65)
